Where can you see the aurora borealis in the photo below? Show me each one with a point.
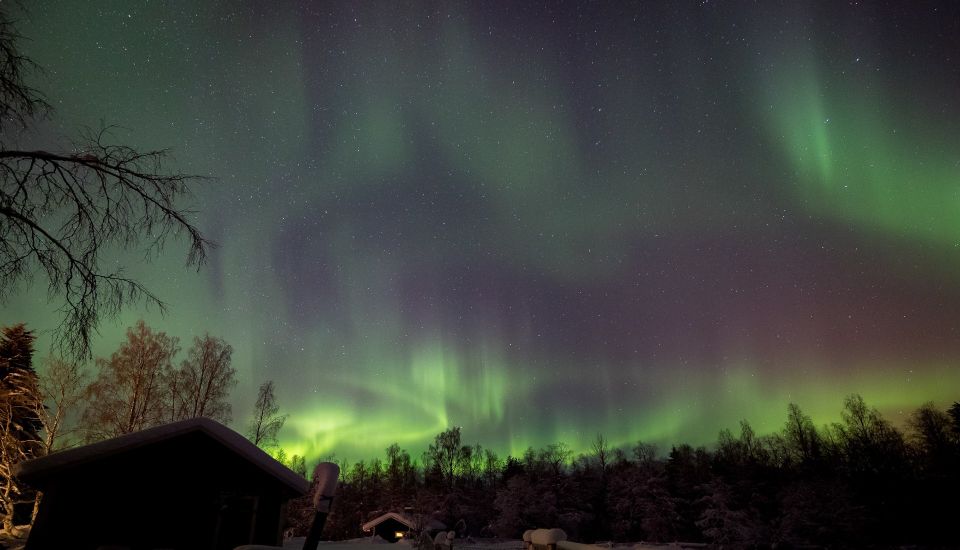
(648, 220)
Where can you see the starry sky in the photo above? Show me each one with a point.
(539, 221)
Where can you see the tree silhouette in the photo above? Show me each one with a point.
(60, 212)
(267, 419)
(445, 455)
(954, 412)
(932, 429)
(202, 384)
(802, 440)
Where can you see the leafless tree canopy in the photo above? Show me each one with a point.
(267, 420)
(202, 385)
(138, 387)
(62, 212)
(62, 384)
(446, 454)
(130, 392)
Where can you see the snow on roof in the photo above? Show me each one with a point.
(46, 466)
(429, 524)
(406, 520)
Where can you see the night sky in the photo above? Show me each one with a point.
(539, 223)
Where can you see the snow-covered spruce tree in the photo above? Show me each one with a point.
(660, 519)
(515, 505)
(725, 524)
(624, 500)
(640, 505)
(20, 425)
(817, 513)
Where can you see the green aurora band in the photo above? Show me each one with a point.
(432, 217)
(862, 159)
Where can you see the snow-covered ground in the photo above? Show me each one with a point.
(377, 543)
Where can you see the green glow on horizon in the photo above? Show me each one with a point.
(408, 402)
(710, 404)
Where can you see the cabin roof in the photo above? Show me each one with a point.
(429, 524)
(52, 465)
(389, 515)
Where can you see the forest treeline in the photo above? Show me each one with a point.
(859, 480)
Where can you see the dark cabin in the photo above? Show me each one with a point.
(194, 484)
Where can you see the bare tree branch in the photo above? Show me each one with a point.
(18, 102)
(62, 213)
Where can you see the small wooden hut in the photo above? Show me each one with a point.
(394, 526)
(188, 484)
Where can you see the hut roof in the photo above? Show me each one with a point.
(406, 520)
(410, 522)
(37, 471)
